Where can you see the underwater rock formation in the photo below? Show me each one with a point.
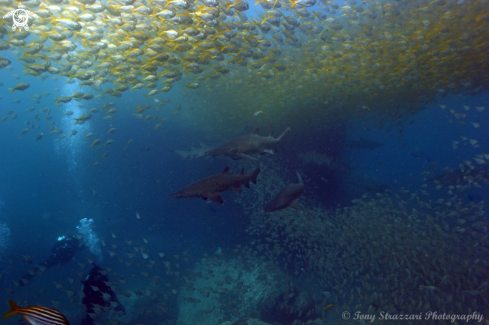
(234, 289)
(246, 321)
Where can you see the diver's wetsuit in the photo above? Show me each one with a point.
(99, 279)
(62, 252)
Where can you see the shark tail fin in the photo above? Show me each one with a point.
(299, 177)
(254, 174)
(287, 130)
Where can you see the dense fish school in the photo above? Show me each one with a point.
(390, 57)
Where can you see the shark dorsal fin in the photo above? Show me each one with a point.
(226, 170)
(255, 131)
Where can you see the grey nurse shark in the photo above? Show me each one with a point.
(247, 145)
(287, 196)
(211, 187)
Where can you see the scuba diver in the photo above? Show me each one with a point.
(97, 294)
(62, 252)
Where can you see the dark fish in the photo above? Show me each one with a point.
(37, 315)
(432, 165)
(286, 196)
(211, 187)
(96, 279)
(248, 145)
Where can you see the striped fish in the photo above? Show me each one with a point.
(37, 315)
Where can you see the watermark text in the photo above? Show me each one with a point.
(429, 315)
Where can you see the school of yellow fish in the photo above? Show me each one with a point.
(295, 56)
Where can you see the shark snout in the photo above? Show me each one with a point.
(176, 195)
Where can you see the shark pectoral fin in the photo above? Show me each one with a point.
(226, 171)
(297, 206)
(269, 151)
(248, 156)
(237, 189)
(215, 197)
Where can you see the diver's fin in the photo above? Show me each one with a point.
(119, 307)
